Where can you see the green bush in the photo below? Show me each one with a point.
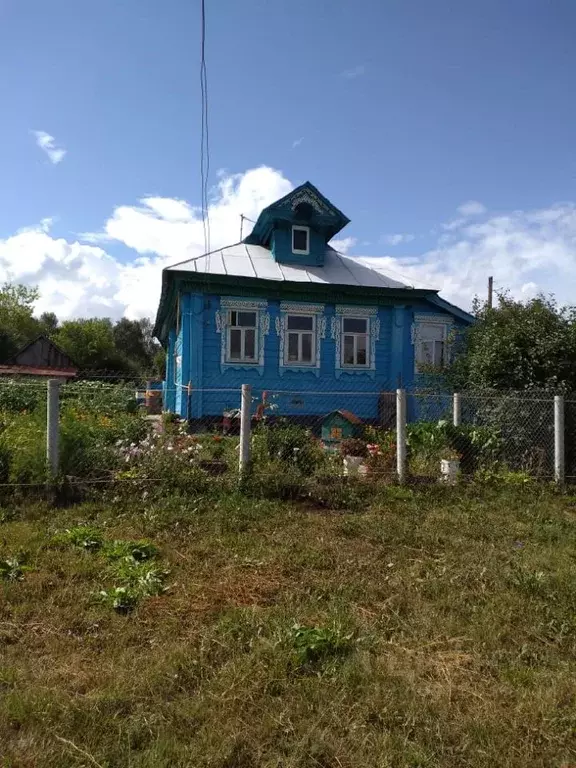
(478, 446)
(100, 397)
(18, 395)
(89, 441)
(23, 449)
(288, 444)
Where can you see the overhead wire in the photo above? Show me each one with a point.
(205, 136)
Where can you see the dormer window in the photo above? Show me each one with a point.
(301, 240)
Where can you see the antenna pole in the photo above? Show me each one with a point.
(490, 291)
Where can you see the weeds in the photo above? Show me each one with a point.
(429, 627)
(84, 536)
(128, 566)
(14, 568)
(314, 646)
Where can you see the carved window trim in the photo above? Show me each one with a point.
(294, 308)
(373, 330)
(228, 304)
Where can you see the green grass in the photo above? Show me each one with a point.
(437, 628)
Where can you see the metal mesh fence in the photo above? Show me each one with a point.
(304, 443)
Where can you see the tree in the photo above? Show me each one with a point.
(91, 344)
(134, 340)
(17, 323)
(48, 323)
(518, 346)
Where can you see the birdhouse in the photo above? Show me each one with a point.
(340, 425)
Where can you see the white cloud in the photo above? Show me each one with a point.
(525, 251)
(80, 279)
(343, 244)
(47, 144)
(471, 208)
(354, 72)
(296, 143)
(397, 239)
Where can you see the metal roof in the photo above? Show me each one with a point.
(242, 260)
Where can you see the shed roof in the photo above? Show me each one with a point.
(242, 260)
(348, 415)
(42, 352)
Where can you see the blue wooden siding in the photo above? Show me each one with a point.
(198, 346)
(282, 246)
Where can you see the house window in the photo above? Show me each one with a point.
(242, 337)
(299, 347)
(301, 240)
(355, 349)
(430, 347)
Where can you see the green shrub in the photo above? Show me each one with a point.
(428, 442)
(18, 395)
(89, 441)
(23, 449)
(100, 397)
(289, 444)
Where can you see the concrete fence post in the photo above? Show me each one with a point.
(559, 455)
(245, 426)
(457, 409)
(401, 435)
(52, 427)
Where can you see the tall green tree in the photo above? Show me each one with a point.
(134, 340)
(17, 322)
(518, 345)
(90, 343)
(48, 323)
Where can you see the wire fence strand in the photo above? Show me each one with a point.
(128, 432)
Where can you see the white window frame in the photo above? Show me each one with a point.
(287, 331)
(356, 335)
(223, 318)
(299, 228)
(420, 323)
(242, 360)
(319, 333)
(370, 314)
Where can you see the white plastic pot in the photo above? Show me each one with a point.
(450, 469)
(352, 465)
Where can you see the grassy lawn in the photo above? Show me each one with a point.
(438, 628)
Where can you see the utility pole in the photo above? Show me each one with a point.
(490, 291)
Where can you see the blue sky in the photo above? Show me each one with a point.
(400, 111)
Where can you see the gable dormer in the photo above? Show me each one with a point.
(297, 227)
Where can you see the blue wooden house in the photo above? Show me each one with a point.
(285, 312)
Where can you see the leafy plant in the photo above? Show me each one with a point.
(137, 581)
(121, 599)
(84, 536)
(289, 444)
(13, 568)
(217, 448)
(130, 550)
(313, 646)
